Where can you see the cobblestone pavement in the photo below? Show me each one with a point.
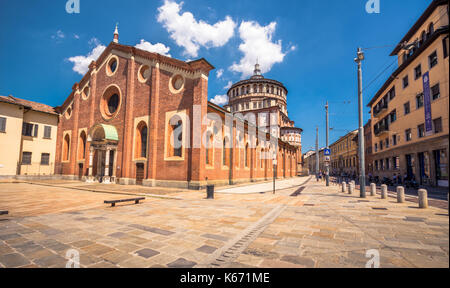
(304, 226)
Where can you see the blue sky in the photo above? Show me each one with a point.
(308, 45)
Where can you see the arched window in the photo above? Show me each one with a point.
(423, 37)
(141, 140)
(246, 155)
(66, 148)
(82, 146)
(430, 29)
(175, 141)
(209, 148)
(226, 152)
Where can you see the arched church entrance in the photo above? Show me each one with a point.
(103, 141)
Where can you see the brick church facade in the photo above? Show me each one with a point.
(122, 121)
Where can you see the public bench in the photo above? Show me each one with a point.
(114, 202)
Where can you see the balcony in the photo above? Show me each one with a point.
(381, 128)
(380, 107)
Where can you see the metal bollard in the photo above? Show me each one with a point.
(373, 189)
(384, 191)
(400, 194)
(210, 191)
(344, 187)
(351, 189)
(423, 199)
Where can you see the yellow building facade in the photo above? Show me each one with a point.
(27, 138)
(409, 114)
(344, 155)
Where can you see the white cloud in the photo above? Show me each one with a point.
(219, 73)
(155, 48)
(220, 100)
(257, 45)
(190, 33)
(229, 84)
(76, 36)
(81, 63)
(59, 35)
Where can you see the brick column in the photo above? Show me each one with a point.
(198, 156)
(74, 140)
(128, 99)
(153, 125)
(93, 92)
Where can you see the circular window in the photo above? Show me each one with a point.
(111, 101)
(144, 73)
(85, 93)
(112, 65)
(177, 83)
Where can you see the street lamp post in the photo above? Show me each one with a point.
(362, 177)
(328, 147)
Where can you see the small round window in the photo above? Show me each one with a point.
(177, 83)
(112, 65)
(144, 73)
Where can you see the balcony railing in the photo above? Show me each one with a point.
(380, 108)
(381, 129)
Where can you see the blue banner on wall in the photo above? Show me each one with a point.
(427, 104)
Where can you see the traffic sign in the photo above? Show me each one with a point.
(327, 152)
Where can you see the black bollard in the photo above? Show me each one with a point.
(210, 191)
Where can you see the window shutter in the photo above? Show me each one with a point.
(2, 124)
(36, 128)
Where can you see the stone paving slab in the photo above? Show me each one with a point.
(320, 227)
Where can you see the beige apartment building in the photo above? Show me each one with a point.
(344, 155)
(27, 138)
(409, 114)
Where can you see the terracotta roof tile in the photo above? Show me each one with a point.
(28, 104)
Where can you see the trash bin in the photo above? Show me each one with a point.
(210, 191)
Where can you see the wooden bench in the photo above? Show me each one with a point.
(136, 201)
(4, 212)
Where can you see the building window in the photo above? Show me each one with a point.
(388, 167)
(66, 147)
(431, 29)
(437, 124)
(407, 108)
(421, 131)
(246, 155)
(29, 129)
(26, 158)
(381, 145)
(418, 72)
(387, 143)
(376, 147)
(445, 46)
(405, 82)
(394, 140)
(209, 149)
(408, 135)
(82, 146)
(47, 132)
(435, 92)
(45, 159)
(392, 93)
(376, 165)
(175, 135)
(2, 124)
(141, 140)
(393, 116)
(419, 101)
(433, 59)
(226, 152)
